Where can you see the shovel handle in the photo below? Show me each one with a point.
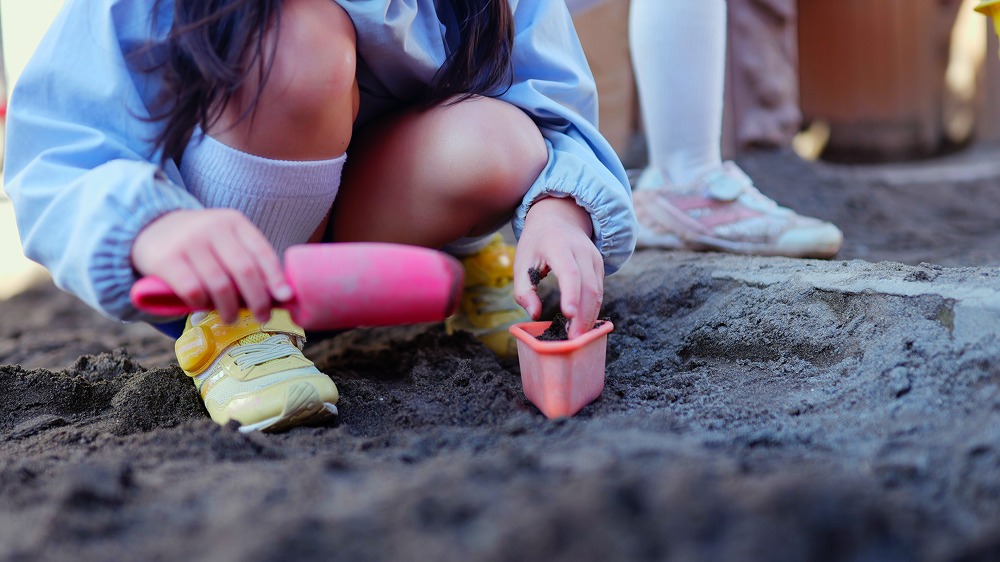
(154, 296)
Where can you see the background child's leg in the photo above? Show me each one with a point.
(679, 53)
(430, 177)
(687, 198)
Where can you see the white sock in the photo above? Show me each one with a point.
(467, 246)
(286, 199)
(678, 50)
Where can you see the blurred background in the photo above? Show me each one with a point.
(854, 81)
(22, 24)
(849, 83)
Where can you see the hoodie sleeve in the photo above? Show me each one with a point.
(554, 85)
(80, 164)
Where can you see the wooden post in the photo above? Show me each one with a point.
(603, 31)
(988, 112)
(875, 72)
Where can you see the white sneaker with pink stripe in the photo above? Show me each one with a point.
(724, 211)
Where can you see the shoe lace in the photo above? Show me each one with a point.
(257, 352)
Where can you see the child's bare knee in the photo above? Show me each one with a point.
(314, 61)
(514, 152)
(309, 101)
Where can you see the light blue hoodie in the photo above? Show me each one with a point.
(82, 171)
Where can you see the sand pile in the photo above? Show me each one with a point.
(765, 409)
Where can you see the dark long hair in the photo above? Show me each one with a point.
(481, 62)
(211, 50)
(214, 46)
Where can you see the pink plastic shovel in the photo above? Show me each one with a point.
(346, 285)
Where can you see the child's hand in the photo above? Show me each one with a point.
(213, 258)
(556, 238)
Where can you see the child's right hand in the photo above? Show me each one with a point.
(213, 259)
(557, 237)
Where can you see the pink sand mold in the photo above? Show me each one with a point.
(346, 285)
(561, 377)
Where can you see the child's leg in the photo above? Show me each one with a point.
(687, 197)
(431, 177)
(678, 49)
(281, 167)
(280, 163)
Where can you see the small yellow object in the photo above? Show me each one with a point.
(488, 308)
(991, 9)
(988, 7)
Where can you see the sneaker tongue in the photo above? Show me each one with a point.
(725, 188)
(259, 337)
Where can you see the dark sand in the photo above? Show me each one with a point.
(755, 409)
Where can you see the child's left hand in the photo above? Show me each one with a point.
(556, 238)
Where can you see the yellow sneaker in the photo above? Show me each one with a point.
(255, 373)
(488, 307)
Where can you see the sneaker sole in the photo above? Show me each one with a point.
(303, 406)
(707, 243)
